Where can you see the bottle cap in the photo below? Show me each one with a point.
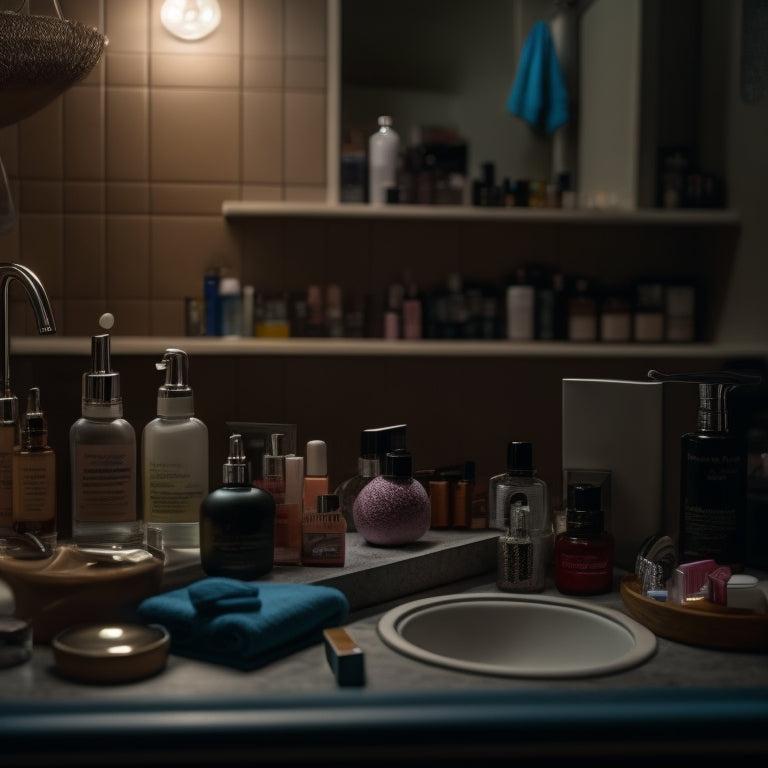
(317, 458)
(584, 515)
(519, 456)
(273, 462)
(174, 398)
(398, 464)
(377, 442)
(236, 469)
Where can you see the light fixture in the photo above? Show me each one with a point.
(190, 19)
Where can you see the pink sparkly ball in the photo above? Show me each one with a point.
(389, 512)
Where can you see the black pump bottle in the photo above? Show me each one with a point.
(713, 474)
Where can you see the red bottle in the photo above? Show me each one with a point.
(584, 553)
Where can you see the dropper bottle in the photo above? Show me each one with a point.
(102, 448)
(713, 473)
(237, 522)
(34, 476)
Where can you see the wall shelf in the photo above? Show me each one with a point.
(237, 209)
(432, 348)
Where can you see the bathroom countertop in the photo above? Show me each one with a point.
(695, 698)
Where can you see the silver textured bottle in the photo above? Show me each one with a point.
(102, 448)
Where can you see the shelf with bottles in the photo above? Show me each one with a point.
(703, 217)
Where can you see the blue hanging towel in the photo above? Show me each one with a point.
(539, 95)
(244, 625)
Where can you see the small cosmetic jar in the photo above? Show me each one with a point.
(111, 653)
(15, 641)
(744, 592)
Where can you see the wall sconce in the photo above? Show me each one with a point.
(190, 19)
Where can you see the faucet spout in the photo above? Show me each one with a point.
(45, 325)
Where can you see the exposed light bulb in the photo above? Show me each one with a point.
(190, 19)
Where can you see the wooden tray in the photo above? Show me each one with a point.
(704, 624)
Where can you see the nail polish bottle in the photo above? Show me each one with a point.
(34, 476)
(237, 522)
(393, 509)
(584, 551)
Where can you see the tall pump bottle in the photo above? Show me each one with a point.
(174, 458)
(102, 447)
(713, 473)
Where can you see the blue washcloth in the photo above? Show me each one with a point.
(539, 94)
(288, 617)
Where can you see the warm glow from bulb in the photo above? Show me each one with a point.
(190, 19)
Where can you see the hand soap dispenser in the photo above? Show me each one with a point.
(174, 458)
(102, 448)
(713, 474)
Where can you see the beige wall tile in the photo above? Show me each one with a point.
(81, 318)
(84, 196)
(128, 197)
(127, 131)
(305, 138)
(263, 28)
(304, 193)
(41, 143)
(127, 68)
(88, 12)
(84, 257)
(40, 197)
(305, 73)
(41, 243)
(127, 257)
(126, 26)
(194, 70)
(305, 26)
(224, 40)
(183, 248)
(260, 72)
(263, 138)
(167, 318)
(195, 135)
(83, 133)
(190, 198)
(263, 192)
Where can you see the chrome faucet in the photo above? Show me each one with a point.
(45, 324)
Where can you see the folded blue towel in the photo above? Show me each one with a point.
(539, 94)
(288, 617)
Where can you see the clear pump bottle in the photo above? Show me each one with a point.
(34, 476)
(102, 448)
(174, 458)
(237, 522)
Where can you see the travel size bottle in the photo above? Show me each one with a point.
(237, 522)
(102, 448)
(383, 150)
(713, 474)
(584, 551)
(34, 476)
(174, 458)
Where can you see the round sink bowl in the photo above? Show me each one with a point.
(517, 635)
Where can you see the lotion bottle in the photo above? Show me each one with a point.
(174, 458)
(713, 474)
(34, 476)
(383, 149)
(237, 522)
(102, 448)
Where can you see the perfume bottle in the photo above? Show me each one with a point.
(237, 522)
(522, 554)
(34, 476)
(584, 551)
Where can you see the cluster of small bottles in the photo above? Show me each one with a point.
(537, 303)
(518, 506)
(522, 193)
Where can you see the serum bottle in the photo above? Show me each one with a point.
(713, 474)
(584, 551)
(237, 522)
(174, 458)
(102, 448)
(34, 476)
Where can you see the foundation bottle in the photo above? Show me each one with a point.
(316, 477)
(34, 476)
(584, 551)
(102, 448)
(174, 458)
(237, 522)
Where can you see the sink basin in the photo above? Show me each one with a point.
(517, 635)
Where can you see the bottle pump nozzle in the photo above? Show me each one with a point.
(174, 398)
(101, 385)
(236, 469)
(714, 387)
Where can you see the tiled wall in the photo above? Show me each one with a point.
(119, 182)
